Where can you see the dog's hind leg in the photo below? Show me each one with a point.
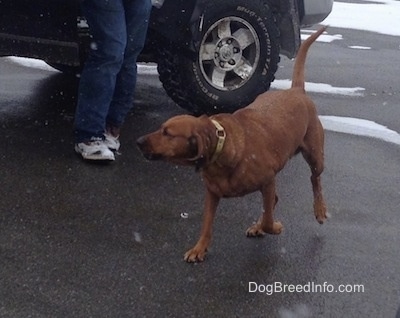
(266, 223)
(313, 153)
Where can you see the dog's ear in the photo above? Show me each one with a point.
(194, 147)
(198, 145)
(203, 149)
(200, 142)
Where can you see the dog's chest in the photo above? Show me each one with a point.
(232, 186)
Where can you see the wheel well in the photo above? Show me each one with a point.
(286, 13)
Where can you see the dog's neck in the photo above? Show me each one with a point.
(216, 140)
(221, 135)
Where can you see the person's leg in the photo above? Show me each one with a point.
(137, 13)
(106, 19)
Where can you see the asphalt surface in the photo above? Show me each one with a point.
(84, 240)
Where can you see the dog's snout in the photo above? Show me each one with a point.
(145, 147)
(141, 142)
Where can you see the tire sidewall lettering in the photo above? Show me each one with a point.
(199, 81)
(263, 27)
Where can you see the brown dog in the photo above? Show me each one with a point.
(242, 152)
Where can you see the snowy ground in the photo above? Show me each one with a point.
(385, 13)
(357, 16)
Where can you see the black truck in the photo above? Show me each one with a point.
(212, 55)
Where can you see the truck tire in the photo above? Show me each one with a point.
(237, 59)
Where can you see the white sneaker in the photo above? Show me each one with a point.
(94, 150)
(112, 142)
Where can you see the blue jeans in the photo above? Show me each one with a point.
(106, 88)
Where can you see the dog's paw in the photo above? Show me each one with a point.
(277, 228)
(195, 255)
(320, 213)
(256, 230)
(321, 219)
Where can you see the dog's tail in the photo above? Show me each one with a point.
(298, 70)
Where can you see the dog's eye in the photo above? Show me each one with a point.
(165, 132)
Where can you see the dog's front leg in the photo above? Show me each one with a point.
(198, 252)
(266, 223)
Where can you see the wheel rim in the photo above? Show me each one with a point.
(229, 53)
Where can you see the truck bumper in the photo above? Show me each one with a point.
(315, 11)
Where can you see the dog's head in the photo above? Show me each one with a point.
(183, 139)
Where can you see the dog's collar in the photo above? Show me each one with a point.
(221, 135)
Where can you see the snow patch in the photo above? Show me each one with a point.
(32, 63)
(360, 127)
(143, 68)
(357, 16)
(320, 88)
(357, 47)
(147, 69)
(326, 38)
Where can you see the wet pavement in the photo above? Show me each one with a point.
(85, 240)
